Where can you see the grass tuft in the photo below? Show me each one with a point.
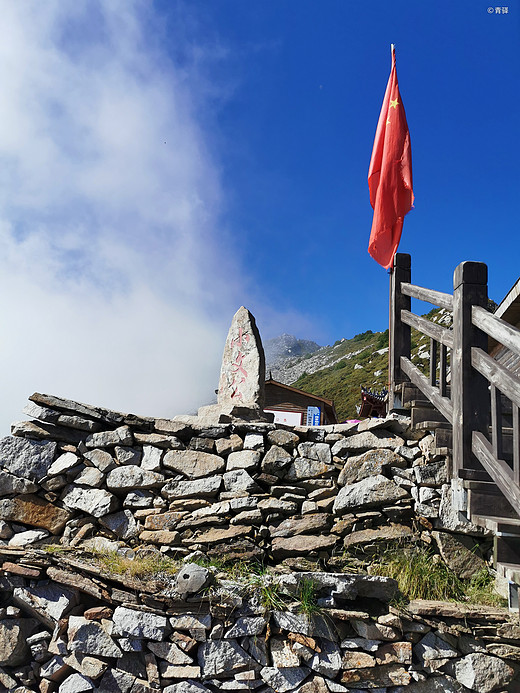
(307, 595)
(148, 566)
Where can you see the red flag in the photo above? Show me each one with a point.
(390, 175)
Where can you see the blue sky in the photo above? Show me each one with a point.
(162, 163)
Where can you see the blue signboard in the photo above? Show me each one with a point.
(313, 416)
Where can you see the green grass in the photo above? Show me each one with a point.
(146, 567)
(307, 595)
(420, 574)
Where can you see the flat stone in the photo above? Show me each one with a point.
(368, 464)
(30, 537)
(101, 459)
(193, 463)
(93, 501)
(282, 655)
(76, 683)
(239, 480)
(48, 603)
(274, 505)
(374, 631)
(436, 684)
(226, 446)
(320, 452)
(432, 647)
(128, 455)
(15, 485)
(199, 488)
(216, 536)
(328, 661)
(246, 625)
(276, 461)
(13, 646)
(160, 537)
(483, 673)
(89, 637)
(172, 671)
(303, 468)
(139, 499)
(170, 652)
(63, 463)
(88, 666)
(385, 534)
(139, 624)
(122, 524)
(302, 544)
(433, 475)
(242, 375)
(109, 439)
(34, 511)
(358, 660)
(399, 652)
(451, 519)
(191, 622)
(151, 460)
(377, 677)
(423, 607)
(116, 681)
(129, 477)
(167, 520)
(187, 686)
(368, 440)
(222, 657)
(26, 458)
(90, 476)
(459, 554)
(285, 439)
(373, 492)
(316, 522)
(283, 680)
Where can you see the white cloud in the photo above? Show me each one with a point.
(116, 278)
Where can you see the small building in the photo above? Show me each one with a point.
(295, 407)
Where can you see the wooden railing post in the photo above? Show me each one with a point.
(399, 333)
(469, 389)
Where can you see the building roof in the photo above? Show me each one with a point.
(327, 404)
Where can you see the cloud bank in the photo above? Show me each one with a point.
(117, 280)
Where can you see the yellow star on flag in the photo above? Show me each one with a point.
(393, 103)
(388, 121)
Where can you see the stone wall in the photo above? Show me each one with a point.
(297, 499)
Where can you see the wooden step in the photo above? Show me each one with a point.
(498, 524)
(509, 571)
(485, 499)
(421, 414)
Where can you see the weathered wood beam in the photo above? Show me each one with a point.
(496, 328)
(499, 471)
(443, 404)
(400, 336)
(436, 298)
(441, 334)
(495, 373)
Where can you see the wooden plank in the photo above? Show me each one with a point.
(516, 443)
(436, 298)
(499, 471)
(443, 371)
(496, 328)
(400, 336)
(441, 334)
(469, 390)
(496, 423)
(433, 362)
(496, 374)
(443, 404)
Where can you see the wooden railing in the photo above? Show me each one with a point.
(472, 402)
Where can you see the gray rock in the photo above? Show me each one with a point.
(328, 661)
(483, 673)
(93, 501)
(459, 554)
(191, 622)
(436, 684)
(122, 524)
(139, 499)
(151, 458)
(63, 463)
(239, 480)
(246, 625)
(276, 461)
(117, 681)
(90, 476)
(170, 652)
(102, 459)
(192, 578)
(254, 441)
(243, 459)
(317, 522)
(76, 683)
(217, 657)
(368, 440)
(302, 544)
(283, 680)
(15, 485)
(434, 474)
(193, 463)
(109, 439)
(368, 464)
(188, 686)
(433, 647)
(303, 468)
(130, 477)
(319, 452)
(451, 519)
(285, 439)
(373, 492)
(26, 458)
(48, 603)
(199, 488)
(89, 637)
(34, 511)
(27, 538)
(128, 455)
(13, 647)
(139, 624)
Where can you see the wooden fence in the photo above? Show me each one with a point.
(472, 402)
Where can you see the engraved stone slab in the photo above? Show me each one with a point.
(242, 375)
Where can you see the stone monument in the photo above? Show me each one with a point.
(242, 376)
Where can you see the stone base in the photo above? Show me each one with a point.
(223, 414)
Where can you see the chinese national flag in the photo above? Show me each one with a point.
(390, 175)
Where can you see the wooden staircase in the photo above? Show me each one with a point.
(485, 504)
